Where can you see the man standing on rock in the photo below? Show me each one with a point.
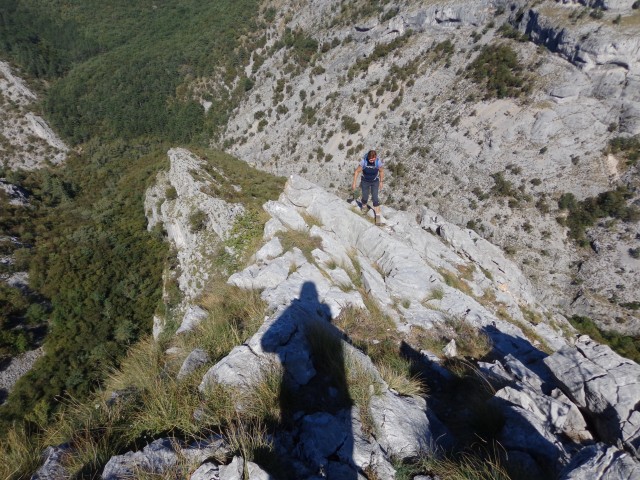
(371, 168)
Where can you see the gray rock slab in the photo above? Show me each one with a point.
(604, 384)
(160, 456)
(272, 227)
(402, 424)
(406, 275)
(366, 455)
(333, 247)
(373, 283)
(601, 462)
(240, 368)
(52, 467)
(524, 430)
(17, 367)
(233, 471)
(206, 471)
(271, 249)
(280, 339)
(196, 359)
(155, 458)
(192, 318)
(488, 256)
(321, 436)
(287, 215)
(555, 413)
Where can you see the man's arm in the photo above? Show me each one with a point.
(355, 177)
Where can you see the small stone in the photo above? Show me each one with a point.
(451, 350)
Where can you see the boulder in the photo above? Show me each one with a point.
(402, 424)
(192, 318)
(206, 471)
(160, 456)
(604, 385)
(52, 467)
(196, 359)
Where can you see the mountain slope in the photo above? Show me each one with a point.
(413, 82)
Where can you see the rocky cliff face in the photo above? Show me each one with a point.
(26, 141)
(409, 96)
(195, 222)
(562, 405)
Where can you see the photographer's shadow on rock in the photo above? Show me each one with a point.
(316, 426)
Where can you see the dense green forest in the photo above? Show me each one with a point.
(95, 261)
(123, 69)
(118, 81)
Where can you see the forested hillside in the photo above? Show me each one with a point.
(112, 77)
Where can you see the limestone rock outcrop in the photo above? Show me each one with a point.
(26, 140)
(194, 220)
(604, 385)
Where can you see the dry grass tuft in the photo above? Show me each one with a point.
(465, 466)
(466, 271)
(20, 453)
(363, 326)
(234, 315)
(470, 341)
(300, 239)
(452, 280)
(401, 381)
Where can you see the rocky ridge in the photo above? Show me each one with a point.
(568, 405)
(171, 203)
(444, 143)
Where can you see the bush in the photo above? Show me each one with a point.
(498, 70)
(596, 13)
(380, 51)
(198, 221)
(302, 45)
(628, 146)
(350, 124)
(502, 187)
(445, 48)
(585, 213)
(507, 31)
(171, 193)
